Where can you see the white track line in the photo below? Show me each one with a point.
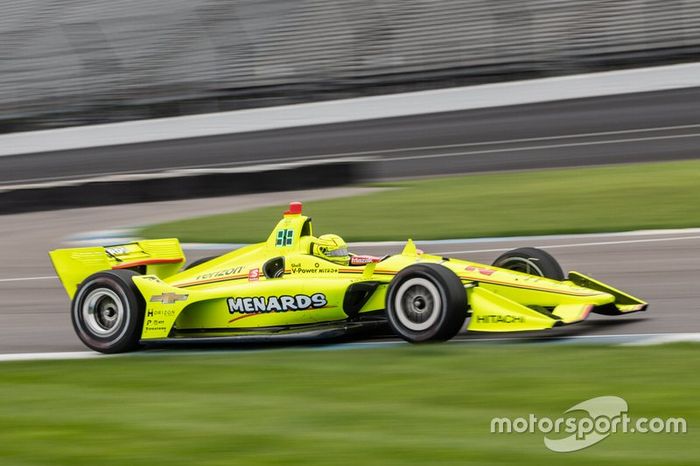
(24, 279)
(404, 150)
(109, 237)
(516, 141)
(539, 147)
(636, 339)
(576, 245)
(623, 339)
(464, 251)
(665, 338)
(55, 356)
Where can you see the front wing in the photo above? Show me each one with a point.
(492, 312)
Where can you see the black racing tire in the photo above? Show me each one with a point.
(107, 312)
(200, 262)
(532, 261)
(426, 302)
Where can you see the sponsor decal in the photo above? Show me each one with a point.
(155, 325)
(496, 319)
(220, 273)
(116, 251)
(169, 298)
(284, 303)
(298, 268)
(253, 275)
(363, 260)
(588, 423)
(160, 313)
(481, 270)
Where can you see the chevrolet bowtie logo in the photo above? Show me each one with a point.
(169, 298)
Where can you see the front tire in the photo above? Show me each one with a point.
(426, 302)
(532, 261)
(107, 312)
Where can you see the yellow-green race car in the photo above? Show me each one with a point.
(296, 285)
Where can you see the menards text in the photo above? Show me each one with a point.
(300, 302)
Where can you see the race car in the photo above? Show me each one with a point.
(297, 285)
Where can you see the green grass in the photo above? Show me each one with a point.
(601, 199)
(401, 405)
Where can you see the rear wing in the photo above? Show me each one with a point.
(161, 257)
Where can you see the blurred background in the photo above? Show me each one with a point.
(69, 63)
(474, 127)
(122, 119)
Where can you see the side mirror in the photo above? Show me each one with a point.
(274, 268)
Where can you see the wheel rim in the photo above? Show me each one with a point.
(103, 312)
(418, 304)
(522, 264)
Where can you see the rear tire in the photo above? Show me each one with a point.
(107, 312)
(426, 302)
(532, 261)
(200, 262)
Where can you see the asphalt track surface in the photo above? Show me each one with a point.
(627, 128)
(661, 267)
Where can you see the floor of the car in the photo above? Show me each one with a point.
(297, 332)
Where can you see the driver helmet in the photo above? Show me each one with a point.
(332, 248)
